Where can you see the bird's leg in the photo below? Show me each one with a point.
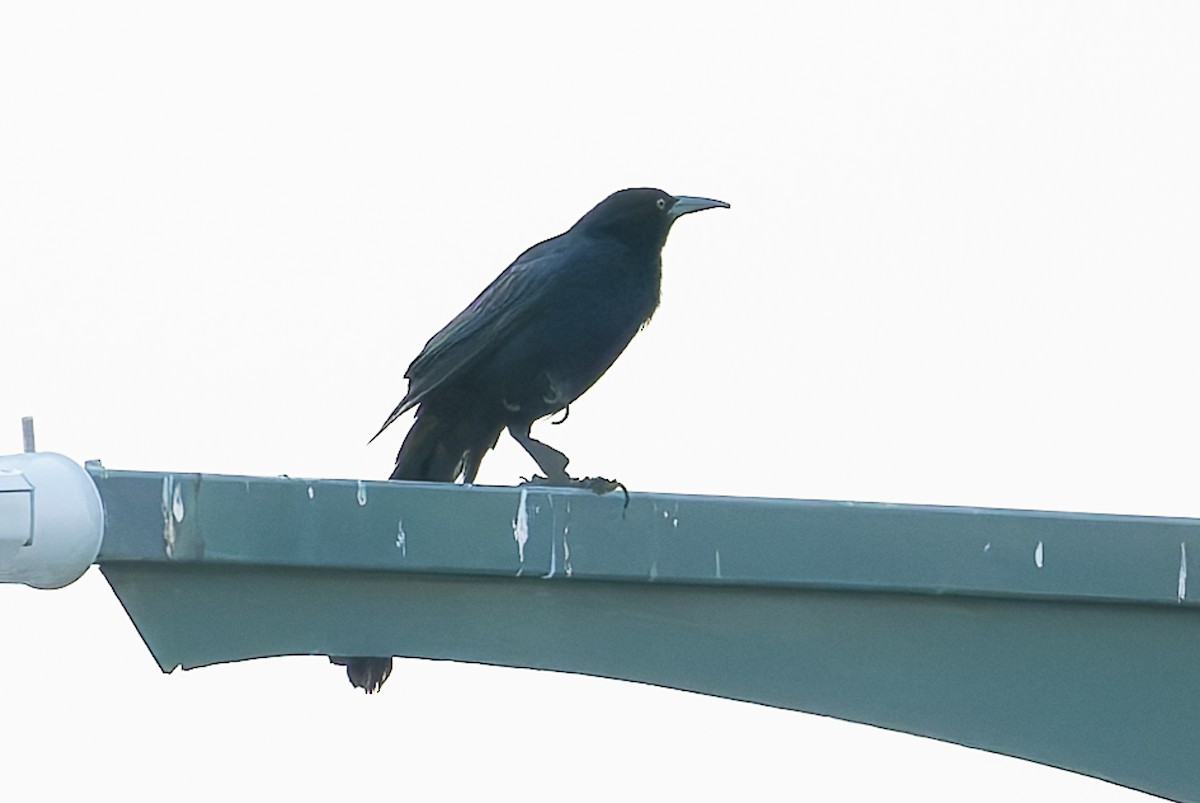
(549, 459)
(554, 463)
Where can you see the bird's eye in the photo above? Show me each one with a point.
(662, 204)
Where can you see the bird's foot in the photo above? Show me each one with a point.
(603, 485)
(597, 485)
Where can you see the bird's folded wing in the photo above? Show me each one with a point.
(505, 306)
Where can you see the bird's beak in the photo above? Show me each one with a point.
(685, 204)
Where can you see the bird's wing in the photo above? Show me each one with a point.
(516, 296)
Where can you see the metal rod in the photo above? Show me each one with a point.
(27, 433)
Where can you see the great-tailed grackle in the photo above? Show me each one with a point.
(531, 343)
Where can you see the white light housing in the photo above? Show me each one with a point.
(51, 520)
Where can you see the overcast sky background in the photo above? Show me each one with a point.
(959, 269)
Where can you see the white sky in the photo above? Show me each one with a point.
(959, 269)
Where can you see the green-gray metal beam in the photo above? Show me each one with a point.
(1068, 639)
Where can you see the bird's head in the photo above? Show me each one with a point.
(643, 216)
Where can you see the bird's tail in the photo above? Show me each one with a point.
(441, 450)
(365, 673)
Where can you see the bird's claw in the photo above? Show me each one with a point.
(597, 485)
(538, 479)
(603, 485)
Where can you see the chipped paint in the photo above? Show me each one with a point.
(566, 544)
(1182, 590)
(401, 539)
(553, 560)
(177, 505)
(717, 555)
(1037, 555)
(553, 538)
(362, 494)
(521, 525)
(173, 513)
(987, 547)
(168, 492)
(310, 492)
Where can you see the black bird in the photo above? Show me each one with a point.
(531, 343)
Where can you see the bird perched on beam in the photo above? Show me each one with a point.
(531, 343)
